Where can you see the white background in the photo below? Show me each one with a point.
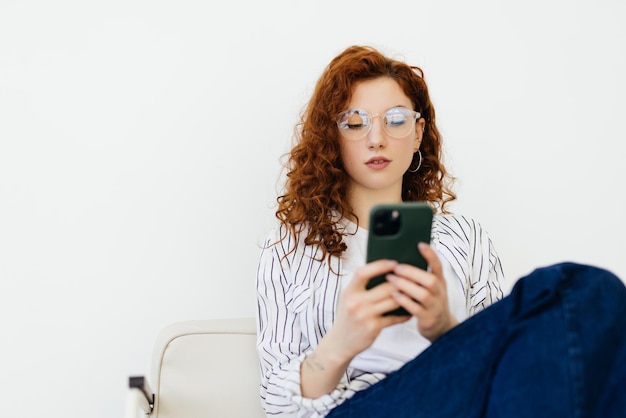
(140, 145)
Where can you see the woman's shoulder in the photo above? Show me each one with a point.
(459, 228)
(280, 232)
(288, 241)
(455, 222)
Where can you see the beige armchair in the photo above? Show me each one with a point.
(200, 368)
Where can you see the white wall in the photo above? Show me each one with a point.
(140, 144)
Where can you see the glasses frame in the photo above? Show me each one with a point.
(367, 117)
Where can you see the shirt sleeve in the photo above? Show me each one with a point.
(471, 253)
(486, 274)
(282, 344)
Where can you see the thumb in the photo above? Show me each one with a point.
(431, 258)
(363, 274)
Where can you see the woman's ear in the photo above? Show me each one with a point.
(420, 127)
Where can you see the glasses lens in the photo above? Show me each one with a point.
(399, 122)
(353, 124)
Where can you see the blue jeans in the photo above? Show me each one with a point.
(555, 347)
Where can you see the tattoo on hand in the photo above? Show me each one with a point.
(313, 364)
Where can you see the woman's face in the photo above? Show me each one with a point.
(377, 162)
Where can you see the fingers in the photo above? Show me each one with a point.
(364, 274)
(376, 301)
(431, 258)
(417, 285)
(429, 279)
(381, 299)
(422, 287)
(424, 294)
(416, 292)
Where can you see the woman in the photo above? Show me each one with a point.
(368, 136)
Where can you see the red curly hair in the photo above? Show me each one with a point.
(316, 183)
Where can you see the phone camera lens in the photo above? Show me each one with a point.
(387, 222)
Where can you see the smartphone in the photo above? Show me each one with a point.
(394, 231)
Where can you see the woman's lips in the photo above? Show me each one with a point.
(377, 163)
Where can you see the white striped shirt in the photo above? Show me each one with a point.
(297, 296)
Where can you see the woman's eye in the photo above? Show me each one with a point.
(355, 121)
(395, 120)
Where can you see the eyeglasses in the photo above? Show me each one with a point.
(397, 122)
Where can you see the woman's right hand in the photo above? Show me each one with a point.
(358, 321)
(359, 317)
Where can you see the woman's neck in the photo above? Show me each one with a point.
(363, 203)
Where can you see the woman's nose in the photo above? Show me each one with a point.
(376, 136)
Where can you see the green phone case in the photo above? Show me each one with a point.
(394, 232)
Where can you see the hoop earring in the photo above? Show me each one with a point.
(419, 165)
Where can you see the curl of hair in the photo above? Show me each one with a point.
(316, 183)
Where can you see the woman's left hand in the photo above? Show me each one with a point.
(424, 294)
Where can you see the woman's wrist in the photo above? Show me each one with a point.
(449, 324)
(322, 369)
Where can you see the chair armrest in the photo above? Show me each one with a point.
(140, 398)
